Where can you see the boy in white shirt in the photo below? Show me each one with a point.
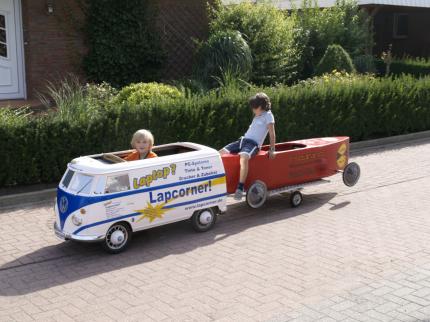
(249, 144)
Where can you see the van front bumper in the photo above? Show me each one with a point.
(64, 236)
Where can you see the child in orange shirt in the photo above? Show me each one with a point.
(142, 141)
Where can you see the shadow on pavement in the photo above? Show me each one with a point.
(339, 205)
(68, 262)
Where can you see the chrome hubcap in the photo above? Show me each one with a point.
(256, 195)
(205, 217)
(116, 237)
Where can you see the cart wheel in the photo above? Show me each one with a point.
(257, 194)
(203, 220)
(351, 174)
(117, 238)
(296, 198)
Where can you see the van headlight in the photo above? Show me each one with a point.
(76, 220)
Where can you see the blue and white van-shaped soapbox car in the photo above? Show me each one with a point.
(101, 199)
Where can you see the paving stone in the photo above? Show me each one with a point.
(347, 254)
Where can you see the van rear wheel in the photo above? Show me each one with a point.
(203, 220)
(117, 238)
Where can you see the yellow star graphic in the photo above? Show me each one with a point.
(158, 211)
(152, 213)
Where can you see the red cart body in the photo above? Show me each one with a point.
(296, 162)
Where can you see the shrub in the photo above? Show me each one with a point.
(225, 51)
(100, 94)
(363, 107)
(344, 24)
(335, 58)
(75, 101)
(412, 66)
(137, 94)
(336, 77)
(123, 44)
(268, 33)
(68, 96)
(365, 64)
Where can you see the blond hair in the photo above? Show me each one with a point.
(142, 135)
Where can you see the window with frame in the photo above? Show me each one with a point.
(117, 183)
(401, 25)
(81, 183)
(3, 37)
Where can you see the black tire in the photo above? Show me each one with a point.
(351, 174)
(203, 220)
(296, 199)
(113, 244)
(256, 195)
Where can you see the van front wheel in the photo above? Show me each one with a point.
(203, 220)
(117, 238)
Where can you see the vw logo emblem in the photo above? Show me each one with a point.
(64, 203)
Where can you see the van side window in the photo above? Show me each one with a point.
(117, 183)
(100, 185)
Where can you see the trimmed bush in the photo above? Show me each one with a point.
(411, 66)
(335, 58)
(37, 149)
(137, 94)
(223, 52)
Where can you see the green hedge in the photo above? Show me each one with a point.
(37, 149)
(415, 67)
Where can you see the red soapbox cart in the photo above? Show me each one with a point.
(297, 164)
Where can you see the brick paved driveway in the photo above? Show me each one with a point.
(360, 254)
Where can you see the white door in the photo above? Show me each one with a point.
(11, 56)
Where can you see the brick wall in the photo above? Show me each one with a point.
(54, 44)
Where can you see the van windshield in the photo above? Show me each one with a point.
(81, 183)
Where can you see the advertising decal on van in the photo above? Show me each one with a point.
(76, 202)
(152, 212)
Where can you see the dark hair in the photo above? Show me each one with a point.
(260, 99)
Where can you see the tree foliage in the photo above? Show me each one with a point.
(345, 24)
(269, 35)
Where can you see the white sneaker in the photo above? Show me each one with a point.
(238, 194)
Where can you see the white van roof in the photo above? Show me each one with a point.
(94, 164)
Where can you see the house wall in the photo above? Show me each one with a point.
(54, 44)
(416, 44)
